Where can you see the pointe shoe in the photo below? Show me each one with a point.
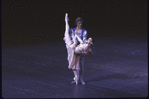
(75, 80)
(66, 17)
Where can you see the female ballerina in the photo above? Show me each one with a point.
(75, 51)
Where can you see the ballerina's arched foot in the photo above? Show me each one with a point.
(66, 17)
(75, 81)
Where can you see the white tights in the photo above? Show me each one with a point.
(78, 74)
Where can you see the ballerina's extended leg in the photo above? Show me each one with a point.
(67, 38)
(67, 24)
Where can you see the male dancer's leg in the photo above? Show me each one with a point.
(82, 69)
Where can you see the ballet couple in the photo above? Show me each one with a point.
(77, 46)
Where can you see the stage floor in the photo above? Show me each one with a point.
(117, 68)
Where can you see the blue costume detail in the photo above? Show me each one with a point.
(82, 35)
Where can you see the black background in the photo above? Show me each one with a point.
(42, 21)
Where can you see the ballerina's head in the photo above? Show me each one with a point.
(89, 41)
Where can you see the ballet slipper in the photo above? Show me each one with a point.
(76, 76)
(75, 81)
(81, 79)
(66, 17)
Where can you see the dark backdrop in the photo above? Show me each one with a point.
(42, 21)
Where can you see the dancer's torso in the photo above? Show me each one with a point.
(80, 36)
(82, 47)
(80, 33)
